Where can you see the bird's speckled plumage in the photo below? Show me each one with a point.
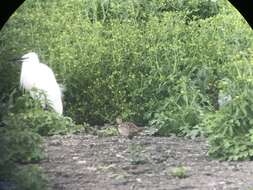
(127, 129)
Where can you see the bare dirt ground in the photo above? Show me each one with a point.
(87, 162)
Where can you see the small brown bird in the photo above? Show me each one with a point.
(127, 129)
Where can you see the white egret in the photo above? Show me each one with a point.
(224, 99)
(36, 75)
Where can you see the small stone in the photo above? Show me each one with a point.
(138, 180)
(91, 168)
(82, 162)
(55, 142)
(75, 158)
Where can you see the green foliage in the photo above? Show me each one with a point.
(180, 172)
(137, 154)
(230, 128)
(180, 113)
(31, 178)
(107, 131)
(24, 148)
(109, 61)
(26, 113)
(21, 145)
(142, 10)
(41, 122)
(23, 121)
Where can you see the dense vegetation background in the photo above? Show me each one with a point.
(159, 63)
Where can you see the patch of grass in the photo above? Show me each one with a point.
(107, 132)
(180, 172)
(137, 155)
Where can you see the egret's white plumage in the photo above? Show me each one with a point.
(36, 75)
(224, 99)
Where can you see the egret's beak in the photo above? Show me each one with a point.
(17, 60)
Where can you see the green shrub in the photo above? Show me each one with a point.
(141, 11)
(109, 68)
(27, 113)
(20, 145)
(23, 121)
(230, 128)
(180, 172)
(181, 113)
(31, 178)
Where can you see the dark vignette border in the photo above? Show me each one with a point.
(7, 8)
(245, 7)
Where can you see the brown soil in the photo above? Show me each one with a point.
(87, 162)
